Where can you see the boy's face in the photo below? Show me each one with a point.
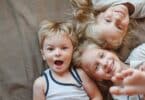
(57, 52)
(100, 64)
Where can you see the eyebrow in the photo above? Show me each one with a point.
(49, 45)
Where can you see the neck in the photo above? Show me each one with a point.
(60, 74)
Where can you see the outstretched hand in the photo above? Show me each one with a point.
(130, 82)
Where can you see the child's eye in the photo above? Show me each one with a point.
(101, 55)
(64, 48)
(107, 20)
(50, 49)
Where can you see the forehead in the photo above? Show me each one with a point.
(90, 55)
(57, 38)
(88, 59)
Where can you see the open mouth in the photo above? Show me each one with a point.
(58, 62)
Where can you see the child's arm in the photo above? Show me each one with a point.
(39, 87)
(90, 87)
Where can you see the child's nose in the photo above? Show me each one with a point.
(118, 20)
(57, 52)
(104, 63)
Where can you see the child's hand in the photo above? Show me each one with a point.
(132, 82)
(117, 79)
(142, 67)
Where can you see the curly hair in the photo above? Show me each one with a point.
(48, 27)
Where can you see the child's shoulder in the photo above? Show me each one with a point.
(39, 83)
(81, 72)
(41, 80)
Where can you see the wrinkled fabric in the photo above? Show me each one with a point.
(138, 4)
(136, 57)
(20, 61)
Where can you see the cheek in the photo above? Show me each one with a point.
(99, 74)
(126, 20)
(46, 56)
(49, 61)
(114, 39)
(125, 24)
(112, 34)
(69, 55)
(86, 68)
(125, 30)
(109, 33)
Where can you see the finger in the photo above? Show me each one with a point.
(115, 90)
(117, 79)
(127, 72)
(132, 90)
(127, 90)
(108, 77)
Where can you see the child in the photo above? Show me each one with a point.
(109, 27)
(98, 63)
(103, 65)
(61, 81)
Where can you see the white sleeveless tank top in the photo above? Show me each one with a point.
(64, 91)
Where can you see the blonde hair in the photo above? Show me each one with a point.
(86, 44)
(81, 15)
(85, 18)
(48, 27)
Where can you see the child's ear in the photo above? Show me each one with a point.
(43, 56)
